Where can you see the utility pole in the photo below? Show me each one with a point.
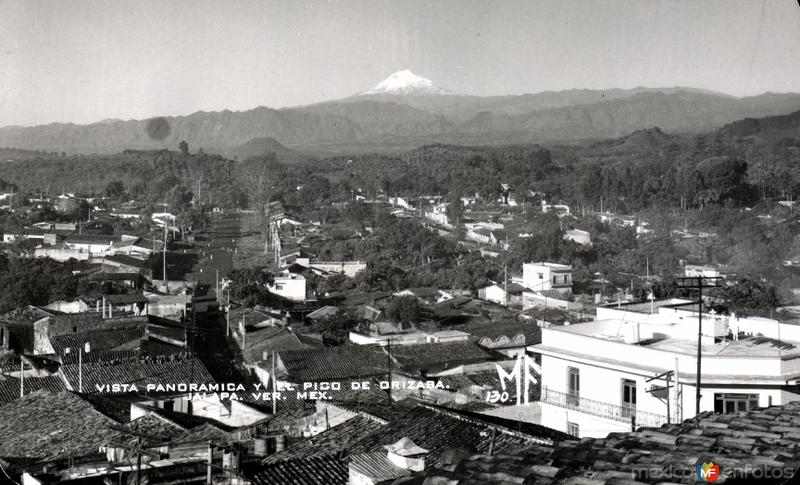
(505, 285)
(668, 377)
(166, 285)
(228, 315)
(274, 387)
(389, 367)
(698, 283)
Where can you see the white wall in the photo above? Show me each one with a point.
(291, 288)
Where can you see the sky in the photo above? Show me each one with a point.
(83, 61)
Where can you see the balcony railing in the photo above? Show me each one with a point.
(626, 414)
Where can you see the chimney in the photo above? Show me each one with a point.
(406, 454)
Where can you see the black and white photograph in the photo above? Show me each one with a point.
(385, 242)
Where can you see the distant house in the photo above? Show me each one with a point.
(489, 233)
(578, 236)
(560, 210)
(92, 243)
(258, 343)
(426, 295)
(322, 313)
(438, 214)
(34, 234)
(510, 294)
(511, 338)
(547, 276)
(706, 271)
(282, 218)
(347, 268)
(51, 326)
(402, 202)
(122, 263)
(290, 286)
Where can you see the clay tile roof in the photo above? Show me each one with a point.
(435, 355)
(10, 387)
(127, 260)
(746, 445)
(431, 428)
(268, 339)
(97, 339)
(142, 370)
(49, 426)
(333, 362)
(327, 469)
(376, 466)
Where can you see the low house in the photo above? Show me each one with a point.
(509, 294)
(347, 268)
(508, 338)
(425, 295)
(53, 325)
(290, 286)
(324, 364)
(123, 263)
(322, 313)
(17, 329)
(258, 343)
(706, 271)
(560, 210)
(92, 244)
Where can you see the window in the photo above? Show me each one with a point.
(278, 286)
(555, 280)
(573, 429)
(573, 386)
(541, 276)
(732, 403)
(74, 329)
(628, 398)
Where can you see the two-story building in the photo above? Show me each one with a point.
(636, 365)
(547, 276)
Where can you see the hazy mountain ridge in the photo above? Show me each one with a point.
(403, 118)
(771, 127)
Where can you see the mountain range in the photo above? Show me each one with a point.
(405, 111)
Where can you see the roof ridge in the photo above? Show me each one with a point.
(474, 420)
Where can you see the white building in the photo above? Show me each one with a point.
(600, 377)
(289, 285)
(347, 268)
(706, 271)
(438, 214)
(578, 236)
(561, 210)
(547, 276)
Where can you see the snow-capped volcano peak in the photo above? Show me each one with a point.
(406, 82)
